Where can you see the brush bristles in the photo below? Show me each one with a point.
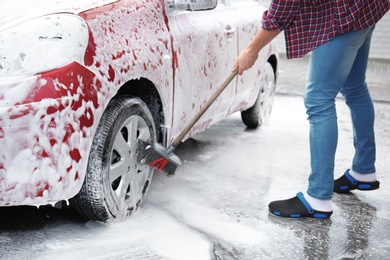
(158, 162)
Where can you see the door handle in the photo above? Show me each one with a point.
(229, 31)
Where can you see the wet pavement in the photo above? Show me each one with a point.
(216, 205)
(292, 76)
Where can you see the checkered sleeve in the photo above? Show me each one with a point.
(280, 15)
(307, 23)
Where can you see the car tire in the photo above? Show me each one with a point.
(116, 182)
(259, 113)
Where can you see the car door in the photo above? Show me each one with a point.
(248, 14)
(204, 43)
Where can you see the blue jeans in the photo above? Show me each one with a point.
(339, 66)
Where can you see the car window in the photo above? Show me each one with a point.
(193, 5)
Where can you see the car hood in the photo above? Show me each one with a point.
(16, 11)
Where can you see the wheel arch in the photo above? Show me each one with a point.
(148, 93)
(273, 60)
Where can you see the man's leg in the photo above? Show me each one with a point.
(362, 176)
(330, 68)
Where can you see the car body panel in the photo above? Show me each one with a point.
(46, 133)
(130, 43)
(202, 44)
(248, 18)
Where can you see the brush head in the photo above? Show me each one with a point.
(162, 159)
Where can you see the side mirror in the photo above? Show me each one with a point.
(192, 5)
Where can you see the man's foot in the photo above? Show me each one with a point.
(346, 183)
(296, 207)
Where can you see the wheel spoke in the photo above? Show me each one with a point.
(133, 133)
(122, 188)
(118, 169)
(121, 146)
(143, 133)
(132, 126)
(263, 97)
(135, 190)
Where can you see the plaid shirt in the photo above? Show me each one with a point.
(308, 24)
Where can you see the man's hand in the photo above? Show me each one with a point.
(250, 53)
(245, 60)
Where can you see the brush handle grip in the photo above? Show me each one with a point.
(204, 108)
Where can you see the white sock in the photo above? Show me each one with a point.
(370, 177)
(317, 204)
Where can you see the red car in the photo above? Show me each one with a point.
(83, 83)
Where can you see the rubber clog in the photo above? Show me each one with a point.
(296, 207)
(346, 183)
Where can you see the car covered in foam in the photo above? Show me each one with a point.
(83, 84)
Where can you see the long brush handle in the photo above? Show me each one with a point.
(203, 109)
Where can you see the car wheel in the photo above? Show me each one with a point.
(116, 182)
(261, 110)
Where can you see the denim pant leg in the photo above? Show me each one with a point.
(359, 101)
(329, 68)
